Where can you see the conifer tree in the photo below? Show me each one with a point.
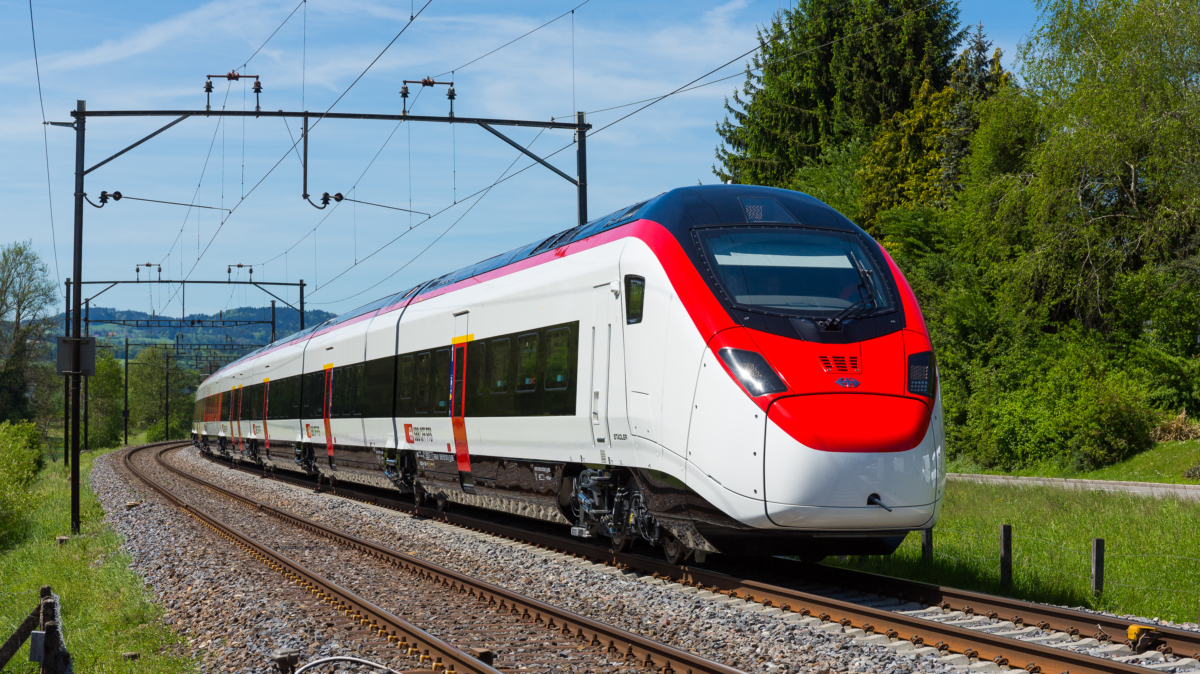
(829, 71)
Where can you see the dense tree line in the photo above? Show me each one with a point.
(1049, 219)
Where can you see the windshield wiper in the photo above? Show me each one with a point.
(868, 296)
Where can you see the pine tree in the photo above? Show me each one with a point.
(829, 71)
(976, 78)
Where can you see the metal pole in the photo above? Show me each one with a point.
(167, 400)
(87, 398)
(1006, 557)
(581, 166)
(927, 546)
(77, 274)
(301, 304)
(304, 164)
(67, 385)
(126, 390)
(272, 321)
(1097, 567)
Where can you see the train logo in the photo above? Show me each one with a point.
(848, 382)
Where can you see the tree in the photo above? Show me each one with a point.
(26, 293)
(148, 387)
(829, 71)
(106, 403)
(916, 156)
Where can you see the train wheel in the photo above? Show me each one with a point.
(443, 505)
(623, 542)
(673, 548)
(420, 496)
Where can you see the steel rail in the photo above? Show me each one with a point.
(633, 648)
(960, 640)
(376, 619)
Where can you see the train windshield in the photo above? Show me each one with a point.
(797, 271)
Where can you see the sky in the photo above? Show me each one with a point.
(155, 56)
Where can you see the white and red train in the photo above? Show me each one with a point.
(720, 369)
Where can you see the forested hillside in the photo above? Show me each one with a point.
(1048, 218)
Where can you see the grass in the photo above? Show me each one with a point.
(106, 611)
(1165, 462)
(1152, 567)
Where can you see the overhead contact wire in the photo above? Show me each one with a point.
(46, 144)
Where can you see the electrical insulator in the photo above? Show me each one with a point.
(103, 198)
(257, 87)
(404, 91)
(450, 93)
(325, 199)
(208, 88)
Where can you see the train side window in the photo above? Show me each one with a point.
(635, 298)
(441, 381)
(356, 407)
(477, 379)
(499, 370)
(421, 377)
(558, 354)
(313, 406)
(527, 357)
(378, 384)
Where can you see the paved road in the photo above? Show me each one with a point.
(1183, 491)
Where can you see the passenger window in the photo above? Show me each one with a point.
(635, 298)
(527, 346)
(422, 382)
(441, 383)
(477, 378)
(499, 365)
(406, 377)
(558, 366)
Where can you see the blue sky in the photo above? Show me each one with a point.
(154, 55)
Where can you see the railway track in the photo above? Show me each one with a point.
(967, 629)
(442, 619)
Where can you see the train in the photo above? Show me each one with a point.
(723, 369)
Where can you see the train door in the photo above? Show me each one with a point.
(236, 418)
(325, 412)
(266, 399)
(458, 400)
(602, 334)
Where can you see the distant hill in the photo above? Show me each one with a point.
(287, 321)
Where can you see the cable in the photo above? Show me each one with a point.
(360, 177)
(689, 87)
(46, 144)
(620, 119)
(572, 11)
(289, 16)
(483, 192)
(289, 150)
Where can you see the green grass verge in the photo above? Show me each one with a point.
(1152, 567)
(106, 611)
(1165, 462)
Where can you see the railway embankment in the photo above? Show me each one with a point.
(737, 634)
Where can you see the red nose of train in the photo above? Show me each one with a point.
(870, 396)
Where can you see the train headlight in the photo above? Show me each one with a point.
(752, 370)
(922, 374)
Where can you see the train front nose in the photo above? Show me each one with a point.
(836, 460)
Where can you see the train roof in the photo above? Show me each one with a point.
(678, 210)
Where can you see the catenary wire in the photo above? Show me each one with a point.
(233, 210)
(46, 144)
(360, 177)
(652, 101)
(688, 87)
(482, 193)
(516, 39)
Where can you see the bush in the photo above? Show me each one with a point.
(1063, 397)
(21, 459)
